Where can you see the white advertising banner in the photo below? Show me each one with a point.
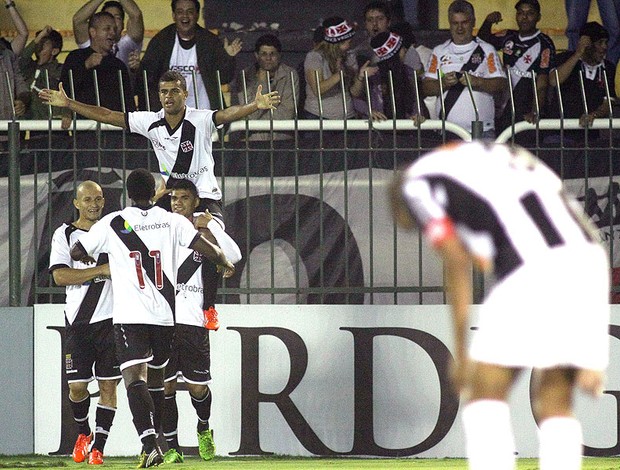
(320, 380)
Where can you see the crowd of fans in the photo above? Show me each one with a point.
(384, 74)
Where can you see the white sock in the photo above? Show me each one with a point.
(488, 434)
(560, 442)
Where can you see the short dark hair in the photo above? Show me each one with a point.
(173, 76)
(94, 20)
(54, 37)
(186, 185)
(461, 6)
(268, 40)
(140, 185)
(114, 4)
(379, 5)
(173, 5)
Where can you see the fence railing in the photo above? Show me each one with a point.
(310, 213)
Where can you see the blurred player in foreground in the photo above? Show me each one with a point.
(504, 212)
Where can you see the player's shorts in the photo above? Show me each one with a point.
(190, 358)
(87, 346)
(552, 312)
(139, 343)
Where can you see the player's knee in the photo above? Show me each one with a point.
(78, 391)
(198, 392)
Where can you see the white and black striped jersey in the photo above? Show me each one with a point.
(504, 204)
(86, 303)
(144, 246)
(185, 152)
(190, 284)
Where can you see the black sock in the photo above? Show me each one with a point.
(211, 280)
(141, 406)
(80, 414)
(103, 423)
(170, 421)
(157, 395)
(203, 410)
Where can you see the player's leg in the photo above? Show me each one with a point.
(108, 375)
(211, 278)
(560, 437)
(79, 360)
(170, 414)
(486, 418)
(195, 363)
(134, 352)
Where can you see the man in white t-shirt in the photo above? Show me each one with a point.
(186, 47)
(465, 54)
(144, 244)
(129, 45)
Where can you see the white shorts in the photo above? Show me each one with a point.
(550, 312)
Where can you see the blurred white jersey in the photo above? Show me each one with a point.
(506, 205)
(144, 246)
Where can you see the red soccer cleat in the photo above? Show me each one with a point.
(80, 450)
(95, 457)
(211, 322)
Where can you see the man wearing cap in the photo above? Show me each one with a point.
(589, 59)
(527, 52)
(461, 55)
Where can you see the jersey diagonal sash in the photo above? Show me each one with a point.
(185, 153)
(133, 243)
(189, 267)
(525, 63)
(472, 64)
(92, 296)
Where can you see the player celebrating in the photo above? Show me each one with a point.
(503, 211)
(191, 355)
(89, 332)
(182, 141)
(143, 243)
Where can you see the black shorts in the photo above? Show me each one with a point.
(191, 355)
(87, 346)
(140, 343)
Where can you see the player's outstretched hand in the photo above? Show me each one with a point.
(268, 100)
(54, 97)
(227, 269)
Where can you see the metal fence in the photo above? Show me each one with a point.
(310, 212)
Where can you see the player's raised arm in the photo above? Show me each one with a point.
(97, 113)
(261, 101)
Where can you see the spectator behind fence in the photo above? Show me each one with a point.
(187, 47)
(44, 68)
(127, 47)
(98, 58)
(524, 51)
(377, 19)
(15, 88)
(465, 54)
(609, 11)
(390, 51)
(589, 60)
(330, 58)
(283, 78)
(19, 41)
